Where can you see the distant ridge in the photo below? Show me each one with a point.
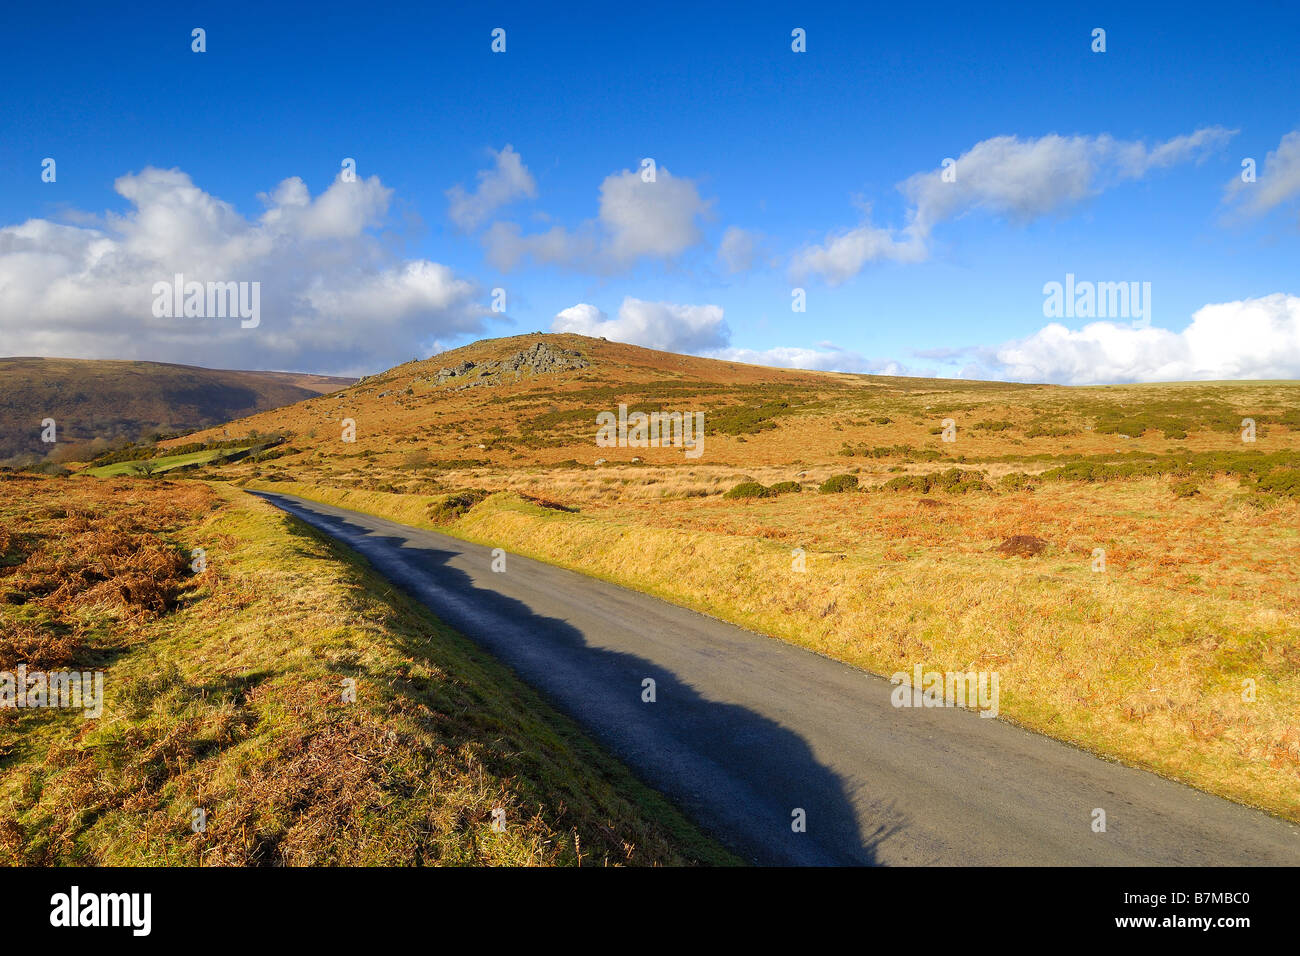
(105, 400)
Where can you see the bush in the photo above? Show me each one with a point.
(836, 484)
(1284, 482)
(785, 487)
(455, 505)
(954, 481)
(1186, 488)
(1016, 481)
(748, 489)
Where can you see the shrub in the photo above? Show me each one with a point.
(748, 489)
(744, 419)
(954, 481)
(836, 484)
(785, 487)
(455, 505)
(1285, 482)
(1016, 481)
(1186, 488)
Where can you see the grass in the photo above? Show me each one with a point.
(1143, 663)
(224, 692)
(163, 463)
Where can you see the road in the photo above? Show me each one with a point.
(745, 731)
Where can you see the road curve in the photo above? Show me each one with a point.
(745, 730)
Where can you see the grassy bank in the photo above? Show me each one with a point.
(1150, 662)
(224, 692)
(162, 463)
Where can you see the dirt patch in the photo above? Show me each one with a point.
(1022, 546)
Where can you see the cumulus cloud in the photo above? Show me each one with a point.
(656, 325)
(1247, 339)
(1018, 179)
(1277, 181)
(332, 297)
(508, 180)
(635, 220)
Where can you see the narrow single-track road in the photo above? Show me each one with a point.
(749, 734)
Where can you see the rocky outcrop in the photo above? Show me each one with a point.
(537, 360)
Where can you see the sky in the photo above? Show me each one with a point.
(898, 196)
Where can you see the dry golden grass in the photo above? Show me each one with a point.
(223, 691)
(1143, 663)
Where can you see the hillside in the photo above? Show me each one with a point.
(496, 403)
(1125, 557)
(103, 401)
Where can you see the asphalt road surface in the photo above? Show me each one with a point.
(746, 730)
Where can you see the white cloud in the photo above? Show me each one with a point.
(635, 220)
(843, 254)
(656, 325)
(1247, 339)
(1019, 179)
(332, 297)
(1026, 179)
(507, 181)
(738, 249)
(1277, 180)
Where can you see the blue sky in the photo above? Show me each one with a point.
(795, 150)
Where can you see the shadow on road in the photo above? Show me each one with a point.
(741, 775)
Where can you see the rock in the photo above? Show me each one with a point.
(537, 360)
(601, 461)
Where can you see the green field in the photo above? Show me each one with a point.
(161, 464)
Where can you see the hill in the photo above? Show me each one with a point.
(534, 400)
(103, 401)
(1124, 557)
